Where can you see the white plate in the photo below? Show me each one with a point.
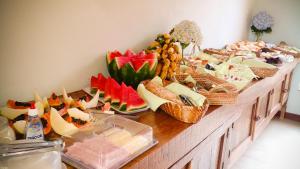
(88, 91)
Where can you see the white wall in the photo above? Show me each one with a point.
(287, 27)
(52, 43)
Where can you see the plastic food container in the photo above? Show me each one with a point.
(7, 134)
(108, 143)
(31, 155)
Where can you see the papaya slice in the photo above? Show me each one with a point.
(18, 105)
(54, 100)
(77, 122)
(46, 123)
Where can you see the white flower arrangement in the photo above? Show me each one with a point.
(187, 32)
(262, 23)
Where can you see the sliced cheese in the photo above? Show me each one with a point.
(153, 101)
(179, 89)
(135, 144)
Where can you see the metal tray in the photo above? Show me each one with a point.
(88, 89)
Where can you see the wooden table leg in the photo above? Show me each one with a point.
(282, 111)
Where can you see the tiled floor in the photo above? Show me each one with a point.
(278, 147)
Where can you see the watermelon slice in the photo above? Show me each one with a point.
(123, 97)
(101, 84)
(134, 100)
(94, 84)
(115, 92)
(107, 90)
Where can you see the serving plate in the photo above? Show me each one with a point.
(115, 108)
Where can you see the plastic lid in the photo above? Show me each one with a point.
(3, 122)
(32, 112)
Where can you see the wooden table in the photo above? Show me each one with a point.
(224, 133)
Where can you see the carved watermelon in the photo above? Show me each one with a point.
(131, 68)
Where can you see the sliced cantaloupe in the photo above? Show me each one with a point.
(19, 126)
(78, 114)
(45, 103)
(92, 103)
(12, 113)
(37, 97)
(40, 107)
(60, 126)
(67, 99)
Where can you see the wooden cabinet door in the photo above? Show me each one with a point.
(286, 87)
(276, 96)
(262, 109)
(211, 153)
(242, 130)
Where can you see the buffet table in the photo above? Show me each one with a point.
(224, 133)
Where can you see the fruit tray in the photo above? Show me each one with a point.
(110, 142)
(88, 91)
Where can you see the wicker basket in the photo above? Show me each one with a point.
(284, 51)
(263, 72)
(229, 96)
(184, 113)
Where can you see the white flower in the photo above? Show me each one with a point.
(262, 21)
(187, 32)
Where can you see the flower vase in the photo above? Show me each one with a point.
(258, 36)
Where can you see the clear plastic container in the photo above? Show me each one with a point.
(7, 134)
(108, 143)
(31, 155)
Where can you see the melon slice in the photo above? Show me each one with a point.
(134, 100)
(94, 84)
(19, 126)
(122, 61)
(78, 114)
(123, 97)
(12, 113)
(60, 126)
(40, 107)
(67, 99)
(37, 97)
(92, 103)
(115, 92)
(45, 103)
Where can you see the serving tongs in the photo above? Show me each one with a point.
(27, 146)
(187, 100)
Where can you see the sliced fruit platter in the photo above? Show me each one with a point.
(123, 99)
(59, 115)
